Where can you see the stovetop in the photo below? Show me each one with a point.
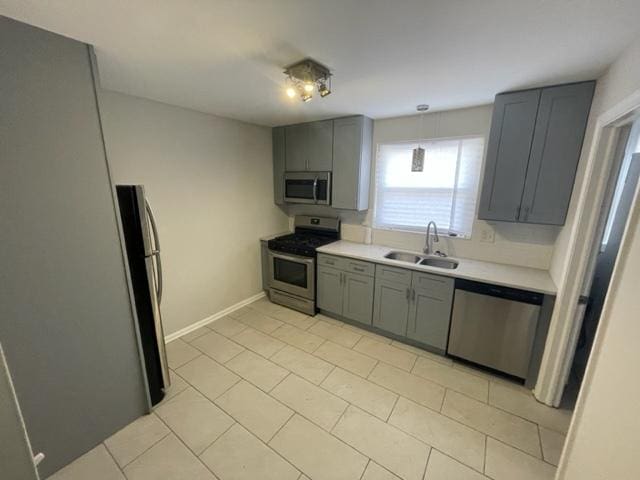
(304, 244)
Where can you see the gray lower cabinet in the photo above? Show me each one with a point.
(430, 310)
(391, 306)
(415, 305)
(534, 146)
(329, 289)
(345, 287)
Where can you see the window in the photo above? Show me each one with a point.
(445, 191)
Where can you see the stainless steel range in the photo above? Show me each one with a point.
(292, 262)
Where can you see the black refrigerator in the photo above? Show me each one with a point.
(145, 271)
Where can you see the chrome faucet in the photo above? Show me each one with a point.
(428, 246)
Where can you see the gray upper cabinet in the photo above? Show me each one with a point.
(352, 142)
(512, 125)
(296, 147)
(555, 152)
(278, 165)
(309, 147)
(534, 147)
(320, 146)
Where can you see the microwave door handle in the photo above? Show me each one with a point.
(315, 189)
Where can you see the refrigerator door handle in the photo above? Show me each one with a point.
(156, 250)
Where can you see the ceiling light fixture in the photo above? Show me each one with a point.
(417, 160)
(305, 76)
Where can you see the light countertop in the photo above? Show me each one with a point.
(266, 238)
(525, 278)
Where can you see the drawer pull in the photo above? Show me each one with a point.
(358, 269)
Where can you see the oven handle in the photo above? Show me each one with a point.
(291, 258)
(315, 189)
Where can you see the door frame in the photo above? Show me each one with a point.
(563, 334)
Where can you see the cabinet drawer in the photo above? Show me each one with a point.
(331, 261)
(433, 285)
(393, 274)
(357, 266)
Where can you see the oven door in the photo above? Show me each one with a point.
(307, 187)
(292, 273)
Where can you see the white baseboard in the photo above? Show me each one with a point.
(215, 316)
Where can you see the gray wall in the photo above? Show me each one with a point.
(65, 317)
(209, 181)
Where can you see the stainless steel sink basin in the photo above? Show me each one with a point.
(439, 263)
(403, 257)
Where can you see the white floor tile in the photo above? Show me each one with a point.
(366, 333)
(442, 467)
(208, 376)
(492, 421)
(376, 472)
(552, 444)
(386, 353)
(453, 438)
(177, 385)
(335, 333)
(368, 396)
(260, 321)
(238, 455)
(136, 438)
(179, 353)
(259, 342)
(320, 455)
(255, 410)
(265, 306)
(303, 364)
(297, 319)
(507, 463)
(188, 337)
(217, 347)
(423, 353)
(449, 377)
(390, 447)
(415, 388)
(350, 360)
(526, 406)
(258, 370)
(195, 419)
(227, 326)
(310, 401)
(168, 459)
(298, 338)
(96, 464)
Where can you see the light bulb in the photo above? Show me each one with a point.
(308, 87)
(291, 92)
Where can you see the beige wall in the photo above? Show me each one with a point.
(209, 181)
(517, 244)
(603, 439)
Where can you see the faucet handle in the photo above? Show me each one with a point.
(440, 254)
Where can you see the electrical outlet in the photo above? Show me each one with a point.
(487, 235)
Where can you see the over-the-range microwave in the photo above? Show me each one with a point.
(307, 187)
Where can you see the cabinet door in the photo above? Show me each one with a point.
(296, 147)
(278, 164)
(319, 148)
(557, 143)
(430, 313)
(351, 163)
(512, 127)
(329, 289)
(358, 297)
(391, 306)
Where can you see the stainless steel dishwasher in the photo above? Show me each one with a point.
(494, 326)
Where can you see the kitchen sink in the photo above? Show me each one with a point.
(403, 257)
(439, 263)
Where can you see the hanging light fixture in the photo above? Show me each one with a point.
(417, 161)
(305, 76)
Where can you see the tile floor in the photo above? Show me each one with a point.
(270, 393)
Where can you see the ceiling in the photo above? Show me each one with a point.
(226, 56)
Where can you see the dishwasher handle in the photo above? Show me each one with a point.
(507, 293)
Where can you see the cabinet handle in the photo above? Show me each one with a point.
(408, 293)
(413, 295)
(526, 213)
(342, 278)
(358, 269)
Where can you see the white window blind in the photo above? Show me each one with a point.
(445, 191)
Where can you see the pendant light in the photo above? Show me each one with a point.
(417, 162)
